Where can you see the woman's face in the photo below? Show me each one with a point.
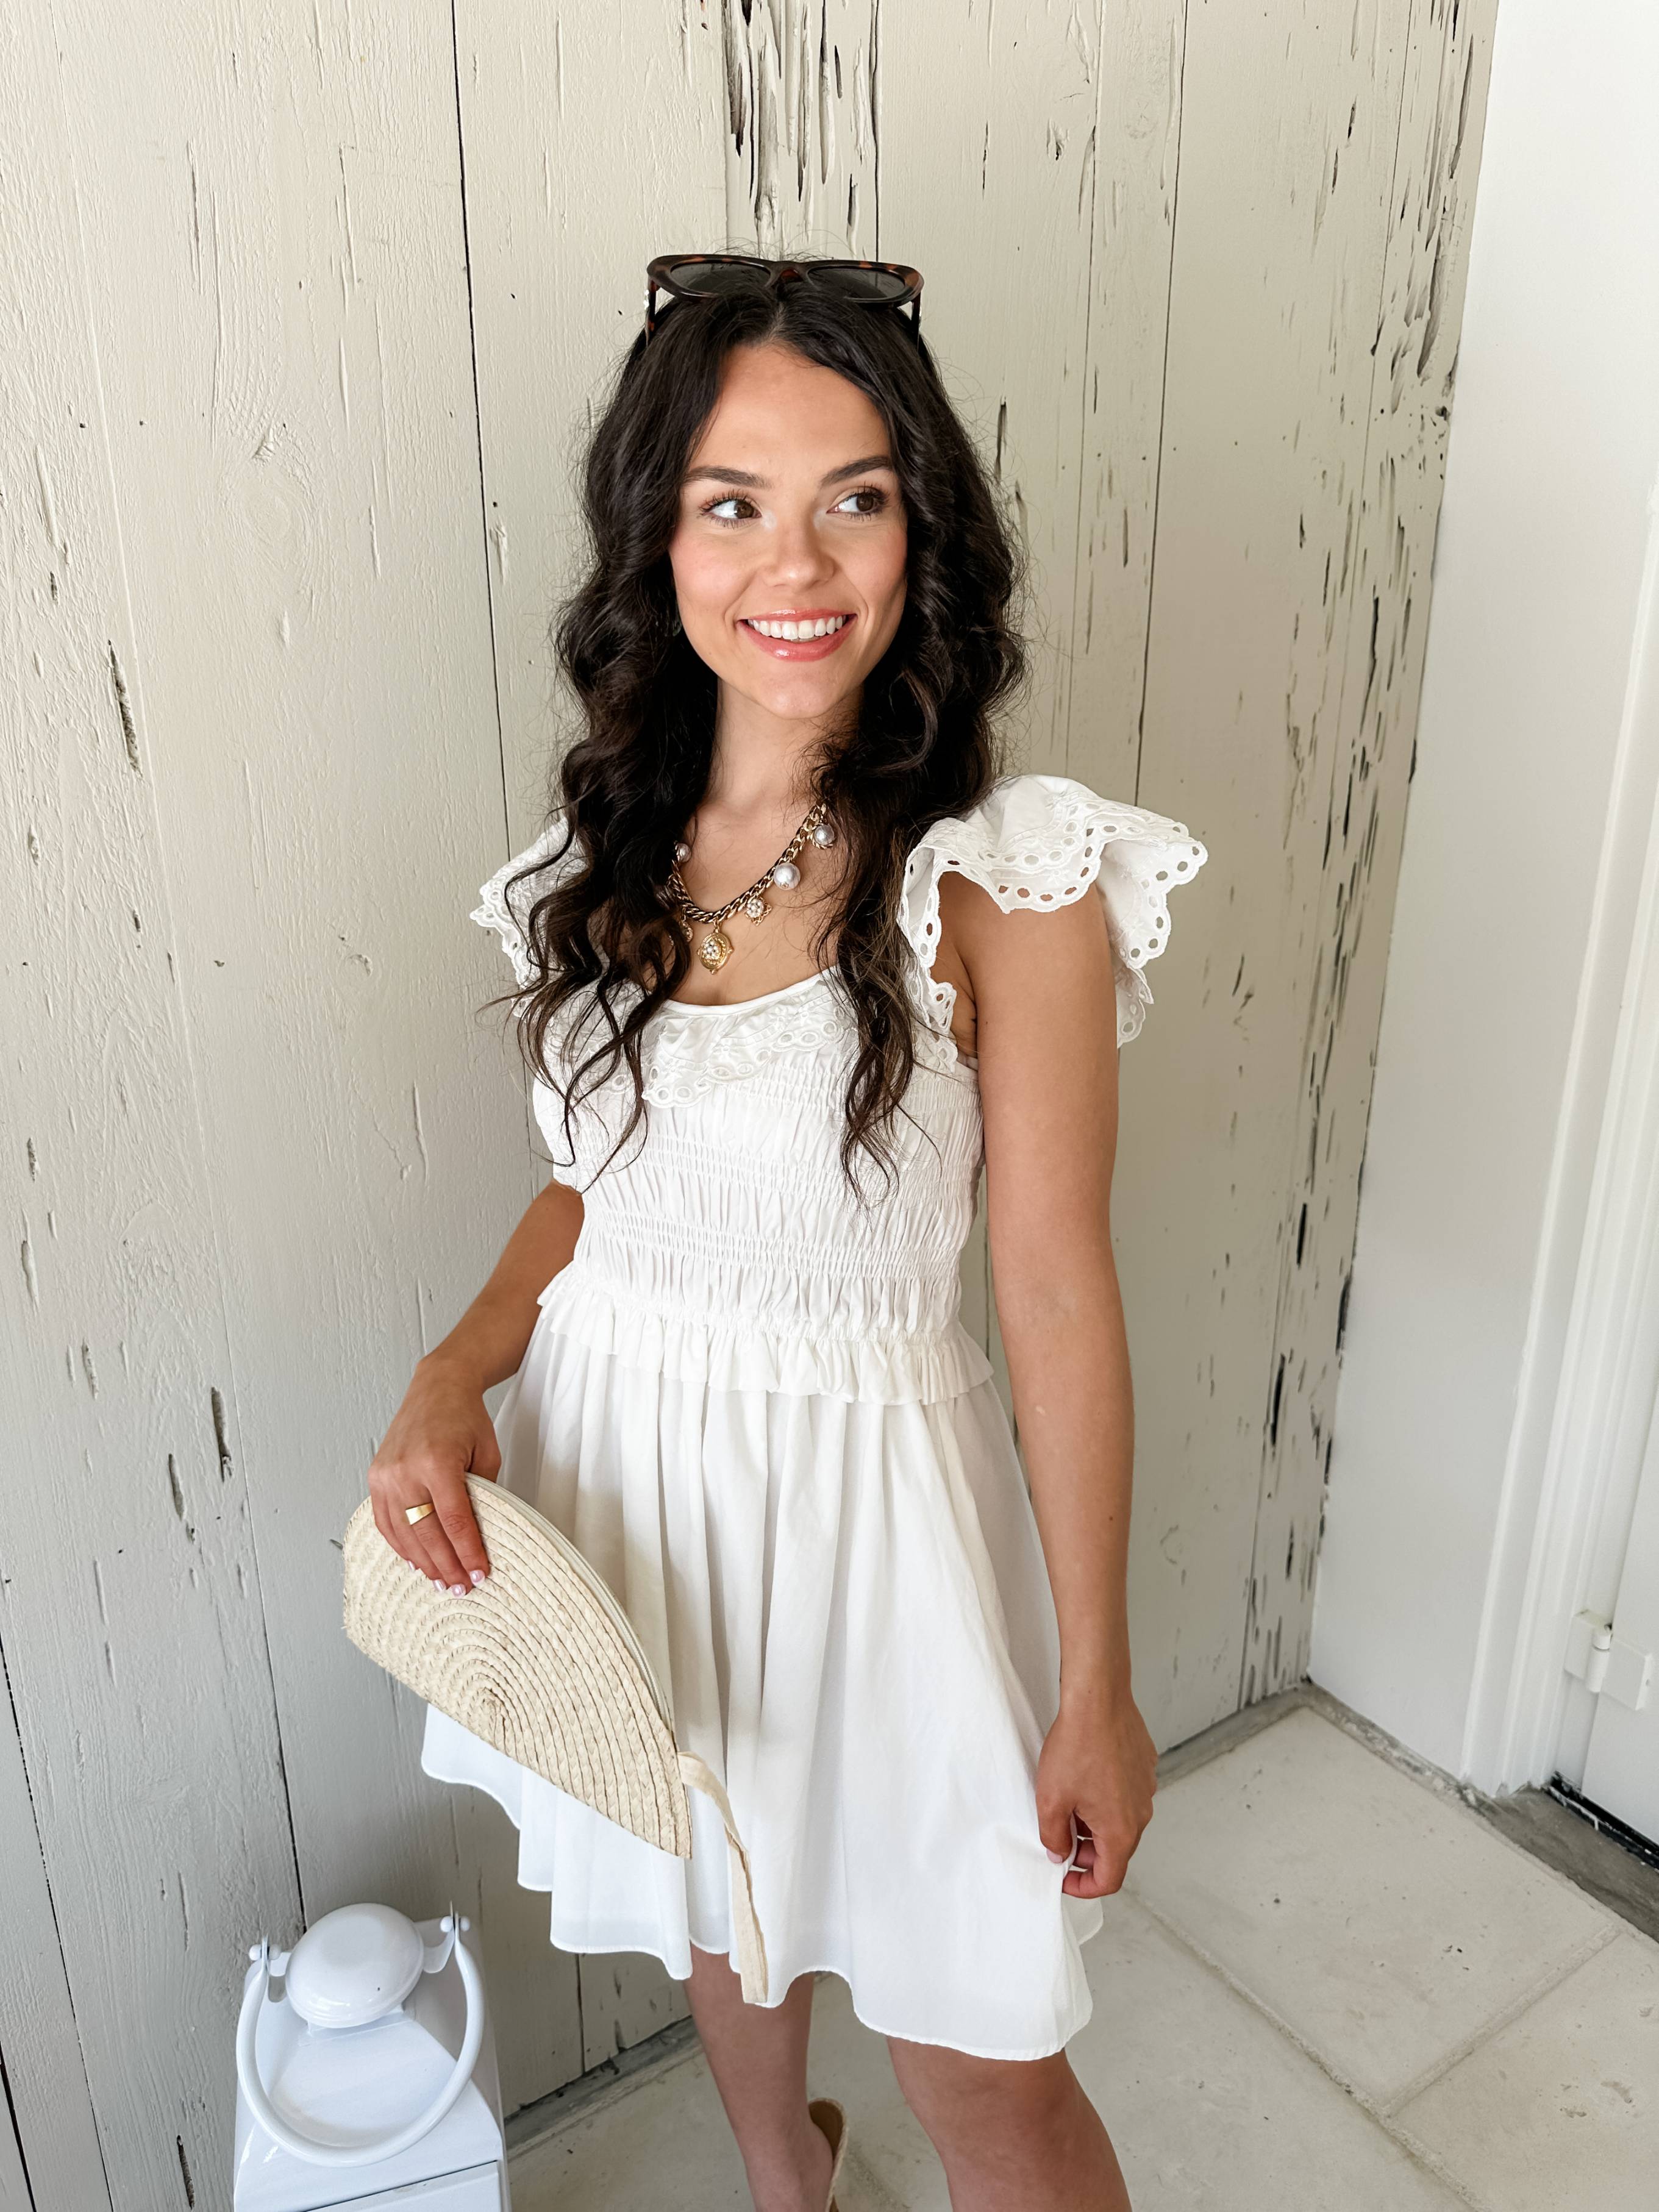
(789, 556)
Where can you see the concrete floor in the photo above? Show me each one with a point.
(1328, 1987)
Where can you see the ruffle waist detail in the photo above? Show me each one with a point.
(741, 1345)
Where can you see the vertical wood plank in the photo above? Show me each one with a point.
(573, 181)
(1277, 271)
(130, 1612)
(276, 275)
(14, 2182)
(571, 187)
(626, 1996)
(44, 2096)
(1137, 66)
(1281, 244)
(1359, 792)
(801, 142)
(985, 122)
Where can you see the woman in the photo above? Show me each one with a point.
(793, 956)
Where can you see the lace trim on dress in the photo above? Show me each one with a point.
(509, 918)
(1041, 841)
(1034, 840)
(685, 1051)
(682, 1058)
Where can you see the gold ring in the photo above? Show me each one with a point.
(413, 1513)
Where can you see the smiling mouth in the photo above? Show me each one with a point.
(797, 629)
(804, 634)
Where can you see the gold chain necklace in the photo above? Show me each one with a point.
(713, 946)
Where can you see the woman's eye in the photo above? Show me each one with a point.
(738, 506)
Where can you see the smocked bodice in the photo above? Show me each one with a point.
(724, 1243)
(721, 1242)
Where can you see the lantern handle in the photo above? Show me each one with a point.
(325, 2153)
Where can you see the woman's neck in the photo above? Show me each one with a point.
(761, 763)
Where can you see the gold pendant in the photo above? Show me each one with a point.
(713, 949)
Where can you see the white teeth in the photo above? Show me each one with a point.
(825, 626)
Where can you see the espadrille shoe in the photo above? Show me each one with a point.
(830, 2119)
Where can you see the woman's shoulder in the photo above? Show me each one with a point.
(1039, 841)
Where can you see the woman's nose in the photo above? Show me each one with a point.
(799, 554)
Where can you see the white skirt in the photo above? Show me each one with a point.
(847, 1606)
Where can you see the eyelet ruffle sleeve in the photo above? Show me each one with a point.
(1041, 840)
(504, 904)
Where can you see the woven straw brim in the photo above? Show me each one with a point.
(538, 1660)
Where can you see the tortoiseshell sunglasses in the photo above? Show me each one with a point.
(710, 276)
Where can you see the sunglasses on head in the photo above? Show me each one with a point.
(719, 275)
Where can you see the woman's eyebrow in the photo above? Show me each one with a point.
(759, 483)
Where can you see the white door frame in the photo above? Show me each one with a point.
(1591, 1368)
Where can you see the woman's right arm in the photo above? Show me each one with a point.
(442, 1431)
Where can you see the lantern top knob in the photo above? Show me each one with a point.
(354, 1966)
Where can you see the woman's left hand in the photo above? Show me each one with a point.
(1099, 1769)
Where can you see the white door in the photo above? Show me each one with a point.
(1621, 1774)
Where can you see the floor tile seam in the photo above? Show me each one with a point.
(1434, 2163)
(1373, 2110)
(1430, 2161)
(1503, 2019)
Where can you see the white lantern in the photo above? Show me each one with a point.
(374, 2072)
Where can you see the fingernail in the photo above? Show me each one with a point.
(478, 1577)
(457, 1589)
(1058, 1857)
(437, 1582)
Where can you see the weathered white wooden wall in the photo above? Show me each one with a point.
(303, 310)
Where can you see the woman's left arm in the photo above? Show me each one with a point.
(1046, 1035)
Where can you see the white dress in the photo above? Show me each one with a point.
(754, 1408)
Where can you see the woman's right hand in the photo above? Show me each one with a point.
(441, 1434)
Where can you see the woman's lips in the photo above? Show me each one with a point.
(799, 648)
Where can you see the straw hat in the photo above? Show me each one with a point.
(540, 1660)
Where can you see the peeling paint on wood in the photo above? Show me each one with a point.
(1276, 551)
(235, 709)
(140, 1732)
(124, 707)
(1361, 809)
(803, 144)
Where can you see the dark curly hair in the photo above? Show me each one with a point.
(922, 745)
